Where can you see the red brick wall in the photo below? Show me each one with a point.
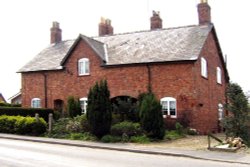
(181, 81)
(208, 92)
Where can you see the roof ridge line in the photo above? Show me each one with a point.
(140, 31)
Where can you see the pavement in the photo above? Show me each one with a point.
(229, 157)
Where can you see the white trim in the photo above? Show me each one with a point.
(36, 103)
(82, 70)
(105, 46)
(83, 102)
(204, 67)
(218, 75)
(169, 100)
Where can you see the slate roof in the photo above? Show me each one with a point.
(162, 45)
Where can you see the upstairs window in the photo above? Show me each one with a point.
(169, 106)
(218, 71)
(203, 67)
(83, 66)
(36, 103)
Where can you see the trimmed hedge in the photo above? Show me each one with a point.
(22, 125)
(9, 105)
(15, 111)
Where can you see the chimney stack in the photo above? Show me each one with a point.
(204, 12)
(55, 33)
(156, 21)
(105, 27)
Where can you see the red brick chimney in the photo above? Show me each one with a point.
(156, 21)
(204, 12)
(55, 33)
(105, 27)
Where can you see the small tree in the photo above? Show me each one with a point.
(99, 109)
(236, 123)
(151, 117)
(74, 107)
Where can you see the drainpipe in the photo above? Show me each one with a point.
(45, 91)
(149, 79)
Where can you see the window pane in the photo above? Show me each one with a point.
(172, 107)
(203, 67)
(86, 67)
(164, 107)
(218, 75)
(80, 67)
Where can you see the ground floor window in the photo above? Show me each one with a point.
(36, 103)
(84, 103)
(220, 111)
(169, 106)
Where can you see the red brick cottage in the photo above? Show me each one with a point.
(184, 66)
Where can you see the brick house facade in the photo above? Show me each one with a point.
(184, 67)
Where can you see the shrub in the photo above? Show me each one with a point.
(2, 104)
(236, 123)
(81, 136)
(99, 109)
(110, 139)
(151, 117)
(74, 107)
(73, 126)
(59, 128)
(140, 139)
(126, 109)
(179, 128)
(22, 125)
(172, 135)
(128, 128)
(15, 111)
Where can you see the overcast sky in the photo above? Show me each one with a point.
(25, 28)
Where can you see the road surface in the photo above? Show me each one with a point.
(14, 153)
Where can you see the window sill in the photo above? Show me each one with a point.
(170, 116)
(82, 75)
(220, 84)
(204, 77)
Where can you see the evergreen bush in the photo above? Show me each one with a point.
(151, 117)
(236, 123)
(74, 106)
(99, 109)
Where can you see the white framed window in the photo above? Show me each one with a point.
(83, 66)
(203, 67)
(218, 74)
(36, 103)
(220, 111)
(84, 103)
(169, 106)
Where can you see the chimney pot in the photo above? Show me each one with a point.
(156, 21)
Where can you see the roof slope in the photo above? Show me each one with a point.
(162, 45)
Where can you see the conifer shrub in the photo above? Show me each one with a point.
(236, 123)
(74, 106)
(151, 118)
(99, 109)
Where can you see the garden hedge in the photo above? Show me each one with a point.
(15, 111)
(22, 125)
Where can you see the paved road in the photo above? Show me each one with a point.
(15, 153)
